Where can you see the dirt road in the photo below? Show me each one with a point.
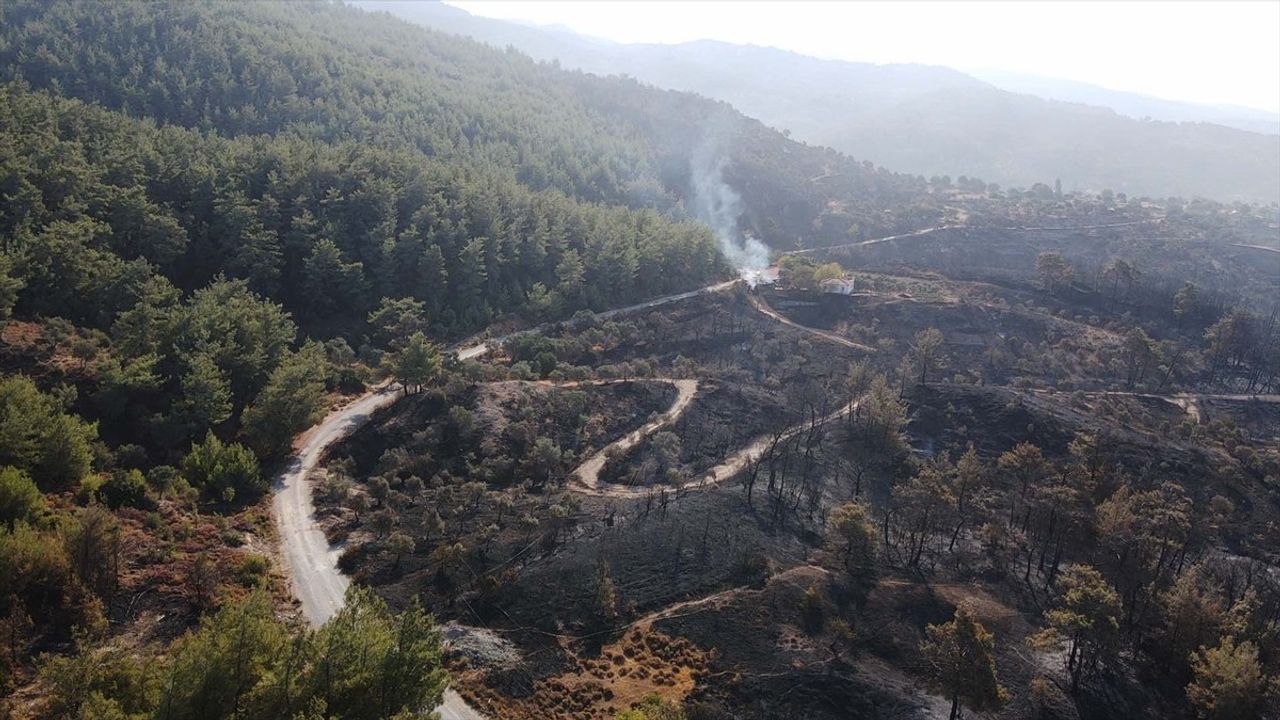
(863, 243)
(936, 228)
(759, 304)
(1189, 402)
(589, 471)
(731, 465)
(310, 561)
(479, 348)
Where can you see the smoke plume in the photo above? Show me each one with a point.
(720, 207)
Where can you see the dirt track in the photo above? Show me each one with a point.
(1189, 402)
(310, 562)
(589, 471)
(863, 243)
(479, 348)
(731, 466)
(759, 304)
(936, 228)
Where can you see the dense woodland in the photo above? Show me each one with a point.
(218, 221)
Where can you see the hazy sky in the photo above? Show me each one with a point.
(1207, 52)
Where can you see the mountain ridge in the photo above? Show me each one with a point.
(917, 119)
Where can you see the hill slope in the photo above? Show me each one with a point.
(918, 119)
(1134, 105)
(332, 73)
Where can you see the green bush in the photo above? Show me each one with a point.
(38, 437)
(223, 472)
(253, 570)
(124, 487)
(20, 499)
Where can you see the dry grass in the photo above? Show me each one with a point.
(640, 663)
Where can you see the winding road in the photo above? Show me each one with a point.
(310, 562)
(588, 473)
(731, 465)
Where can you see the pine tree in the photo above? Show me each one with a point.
(961, 658)
(1229, 683)
(417, 364)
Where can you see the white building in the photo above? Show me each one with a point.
(839, 286)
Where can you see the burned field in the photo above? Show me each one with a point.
(711, 562)
(993, 335)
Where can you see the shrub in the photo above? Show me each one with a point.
(223, 472)
(253, 570)
(124, 487)
(37, 436)
(20, 499)
(100, 682)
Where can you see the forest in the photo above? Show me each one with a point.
(1041, 424)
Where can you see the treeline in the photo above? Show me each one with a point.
(326, 72)
(102, 204)
(188, 257)
(331, 73)
(243, 662)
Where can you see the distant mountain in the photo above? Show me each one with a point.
(1135, 105)
(913, 118)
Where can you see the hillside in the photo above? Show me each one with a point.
(1134, 105)
(258, 68)
(918, 119)
(350, 370)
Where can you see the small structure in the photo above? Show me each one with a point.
(838, 286)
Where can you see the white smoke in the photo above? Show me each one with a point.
(716, 204)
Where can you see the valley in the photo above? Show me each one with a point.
(353, 370)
